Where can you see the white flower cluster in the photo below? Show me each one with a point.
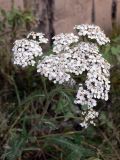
(97, 79)
(90, 115)
(39, 37)
(25, 51)
(79, 61)
(73, 58)
(62, 42)
(53, 67)
(92, 32)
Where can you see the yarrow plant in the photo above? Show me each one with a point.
(73, 55)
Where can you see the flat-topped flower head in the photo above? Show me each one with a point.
(39, 37)
(25, 51)
(62, 42)
(53, 67)
(93, 32)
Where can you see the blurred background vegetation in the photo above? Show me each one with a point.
(38, 120)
